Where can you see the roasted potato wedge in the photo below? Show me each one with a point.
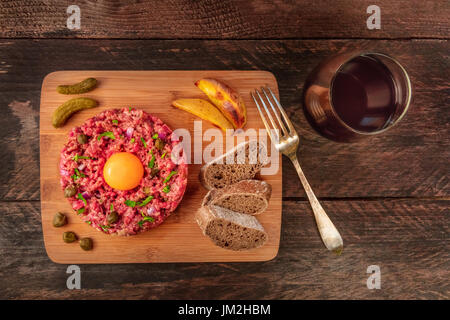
(205, 110)
(228, 101)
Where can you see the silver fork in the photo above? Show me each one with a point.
(287, 143)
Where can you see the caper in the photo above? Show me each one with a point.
(69, 237)
(154, 172)
(59, 219)
(86, 244)
(82, 138)
(159, 144)
(147, 190)
(112, 217)
(70, 191)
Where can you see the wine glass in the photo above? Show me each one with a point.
(356, 95)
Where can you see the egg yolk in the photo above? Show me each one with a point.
(123, 171)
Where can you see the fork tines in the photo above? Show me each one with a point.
(284, 123)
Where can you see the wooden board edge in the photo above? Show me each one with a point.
(273, 253)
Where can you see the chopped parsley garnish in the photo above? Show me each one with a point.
(143, 142)
(133, 204)
(132, 140)
(171, 174)
(155, 136)
(146, 200)
(151, 164)
(166, 189)
(163, 155)
(76, 157)
(149, 219)
(115, 121)
(130, 203)
(88, 222)
(80, 196)
(80, 211)
(111, 208)
(79, 174)
(129, 109)
(105, 228)
(108, 134)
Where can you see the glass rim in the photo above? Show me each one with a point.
(408, 91)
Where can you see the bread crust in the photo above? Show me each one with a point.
(252, 188)
(250, 169)
(210, 217)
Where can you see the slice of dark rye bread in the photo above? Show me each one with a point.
(240, 163)
(229, 229)
(246, 196)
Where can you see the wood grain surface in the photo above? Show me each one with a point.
(226, 19)
(408, 239)
(178, 239)
(389, 195)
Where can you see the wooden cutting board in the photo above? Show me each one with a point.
(178, 239)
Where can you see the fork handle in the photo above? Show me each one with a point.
(330, 235)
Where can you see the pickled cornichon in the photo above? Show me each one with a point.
(81, 87)
(64, 111)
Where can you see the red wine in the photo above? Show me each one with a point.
(363, 94)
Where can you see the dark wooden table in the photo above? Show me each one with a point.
(388, 195)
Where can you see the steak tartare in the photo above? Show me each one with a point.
(123, 212)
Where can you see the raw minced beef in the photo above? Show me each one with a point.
(95, 198)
